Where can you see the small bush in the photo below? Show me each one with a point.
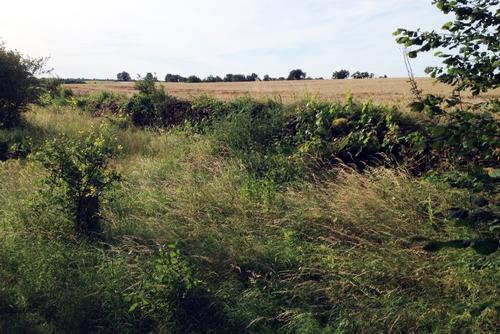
(205, 110)
(351, 132)
(99, 104)
(152, 107)
(79, 176)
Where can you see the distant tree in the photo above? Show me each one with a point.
(267, 78)
(239, 77)
(281, 78)
(362, 75)
(341, 74)
(173, 78)
(151, 77)
(252, 77)
(193, 79)
(123, 76)
(297, 74)
(18, 84)
(212, 78)
(469, 47)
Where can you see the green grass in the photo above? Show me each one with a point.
(212, 232)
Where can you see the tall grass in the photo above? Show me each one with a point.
(218, 232)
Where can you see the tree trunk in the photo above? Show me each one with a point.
(88, 220)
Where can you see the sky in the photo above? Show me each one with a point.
(99, 38)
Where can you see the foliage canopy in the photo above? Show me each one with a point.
(469, 45)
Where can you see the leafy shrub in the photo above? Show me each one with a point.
(351, 132)
(468, 138)
(469, 48)
(205, 111)
(79, 176)
(101, 103)
(167, 279)
(156, 110)
(152, 107)
(53, 93)
(18, 85)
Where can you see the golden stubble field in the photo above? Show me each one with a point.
(386, 91)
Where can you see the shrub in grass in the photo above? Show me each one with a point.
(79, 172)
(152, 107)
(352, 132)
(101, 103)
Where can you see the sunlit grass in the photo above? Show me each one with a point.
(338, 252)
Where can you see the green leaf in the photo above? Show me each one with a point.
(133, 307)
(447, 25)
(417, 106)
(494, 173)
(398, 32)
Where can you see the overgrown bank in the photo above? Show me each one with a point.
(248, 216)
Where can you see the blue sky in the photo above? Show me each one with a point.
(98, 38)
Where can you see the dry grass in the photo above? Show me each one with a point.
(385, 91)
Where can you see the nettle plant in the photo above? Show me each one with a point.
(79, 175)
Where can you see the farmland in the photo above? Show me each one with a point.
(387, 91)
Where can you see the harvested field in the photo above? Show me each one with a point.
(386, 91)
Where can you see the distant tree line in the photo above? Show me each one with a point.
(296, 74)
(211, 78)
(345, 74)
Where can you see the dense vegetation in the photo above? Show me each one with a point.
(244, 216)
(156, 214)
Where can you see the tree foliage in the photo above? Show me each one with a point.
(193, 79)
(297, 74)
(151, 77)
(146, 85)
(469, 45)
(123, 76)
(341, 74)
(362, 75)
(18, 84)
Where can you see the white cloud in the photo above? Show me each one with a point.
(99, 38)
